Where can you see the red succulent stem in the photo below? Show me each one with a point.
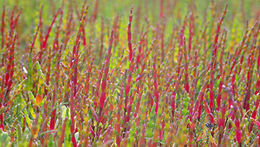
(140, 93)
(238, 131)
(162, 29)
(258, 69)
(53, 119)
(139, 77)
(48, 72)
(127, 90)
(102, 98)
(186, 84)
(130, 70)
(10, 68)
(2, 120)
(199, 102)
(74, 90)
(140, 51)
(174, 92)
(214, 56)
(98, 86)
(254, 115)
(45, 41)
(3, 27)
(221, 74)
(55, 48)
(129, 35)
(34, 38)
(74, 66)
(101, 39)
(162, 130)
(88, 77)
(191, 32)
(8, 79)
(107, 62)
(250, 73)
(240, 51)
(41, 37)
(179, 73)
(209, 112)
(3, 34)
(156, 92)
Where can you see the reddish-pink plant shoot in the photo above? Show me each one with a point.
(129, 35)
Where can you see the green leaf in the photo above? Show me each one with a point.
(32, 111)
(151, 123)
(30, 70)
(31, 97)
(39, 70)
(4, 138)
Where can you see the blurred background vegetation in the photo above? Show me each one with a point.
(238, 11)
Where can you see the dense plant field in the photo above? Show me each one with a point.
(129, 73)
